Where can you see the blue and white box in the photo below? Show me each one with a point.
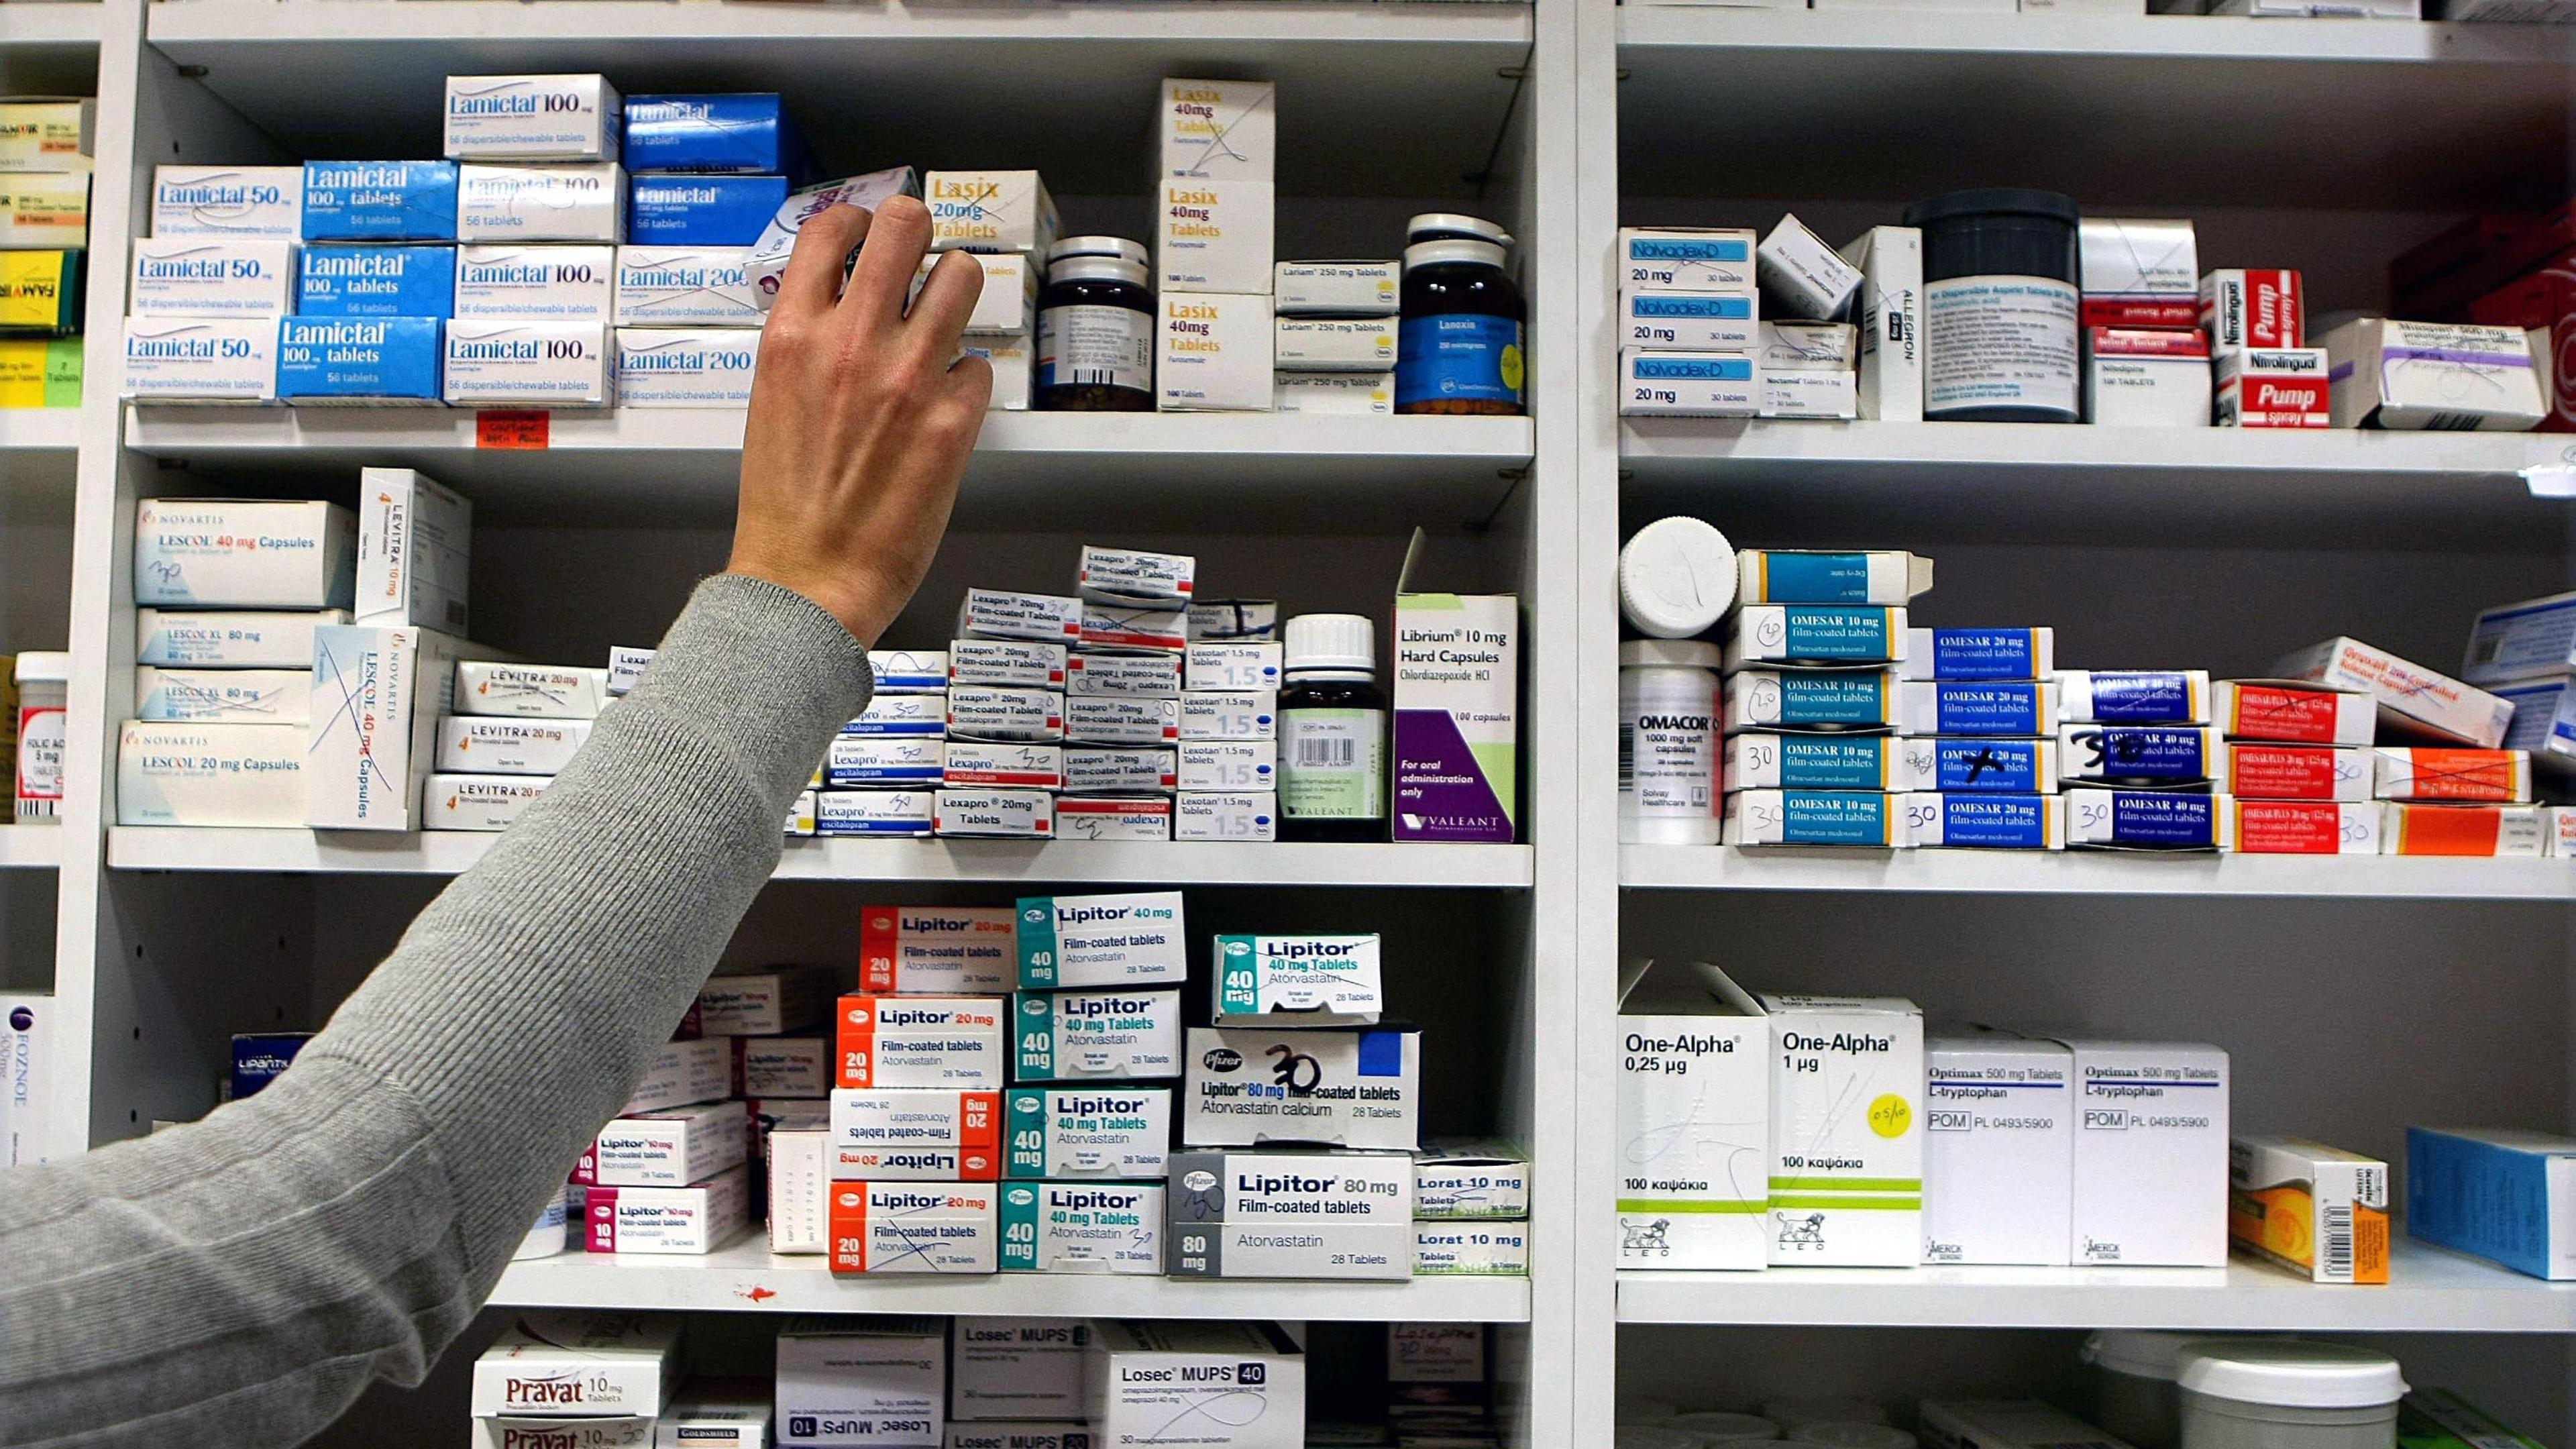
(2497, 1193)
(1973, 765)
(234, 201)
(1984, 707)
(1686, 259)
(2544, 717)
(661, 286)
(742, 132)
(201, 359)
(1815, 634)
(539, 283)
(1825, 762)
(2522, 641)
(2133, 696)
(883, 760)
(380, 201)
(529, 364)
(202, 276)
(359, 361)
(1866, 818)
(585, 203)
(1831, 699)
(1987, 822)
(2147, 820)
(1690, 321)
(702, 211)
(532, 118)
(697, 367)
(924, 715)
(873, 812)
(1688, 384)
(2137, 754)
(393, 281)
(262, 1058)
(1980, 654)
(1823, 576)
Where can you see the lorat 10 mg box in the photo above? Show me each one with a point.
(1106, 940)
(1313, 980)
(1694, 1122)
(919, 1041)
(1231, 1213)
(1082, 1227)
(1096, 1035)
(1249, 1086)
(1464, 1180)
(1088, 1132)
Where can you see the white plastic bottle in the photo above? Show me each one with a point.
(44, 689)
(1668, 733)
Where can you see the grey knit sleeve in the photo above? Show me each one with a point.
(241, 1280)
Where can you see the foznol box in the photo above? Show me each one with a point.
(875, 812)
(1248, 1086)
(918, 1041)
(1998, 1150)
(1002, 766)
(2465, 830)
(529, 691)
(2292, 711)
(914, 1227)
(2150, 1153)
(578, 1365)
(533, 117)
(682, 1073)
(1108, 1130)
(211, 277)
(1869, 819)
(1291, 1215)
(2316, 1210)
(1008, 663)
(777, 240)
(847, 1381)
(415, 551)
(860, 760)
(514, 363)
(1017, 1370)
(1986, 820)
(1979, 654)
(693, 367)
(912, 1117)
(1457, 727)
(1082, 1227)
(666, 1149)
(376, 281)
(1825, 762)
(1096, 1035)
(239, 201)
(1311, 980)
(1006, 814)
(200, 359)
(1101, 817)
(1815, 634)
(2268, 770)
(2273, 387)
(229, 638)
(2498, 1193)
(695, 1219)
(1125, 770)
(2410, 696)
(1140, 676)
(359, 361)
(2484, 777)
(659, 286)
(1101, 940)
(764, 1003)
(1470, 1180)
(1846, 1165)
(1238, 1385)
(937, 950)
(560, 283)
(2133, 696)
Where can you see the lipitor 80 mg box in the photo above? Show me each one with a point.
(1998, 1149)
(937, 950)
(1082, 1227)
(2496, 1193)
(579, 1365)
(1112, 1131)
(244, 553)
(1232, 1215)
(919, 1041)
(1250, 1086)
(1101, 940)
(1116, 1035)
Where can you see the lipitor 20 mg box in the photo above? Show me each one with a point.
(914, 1227)
(919, 1041)
(937, 950)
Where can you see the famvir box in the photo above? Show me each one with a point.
(2316, 1210)
(1457, 724)
(937, 950)
(1082, 1227)
(2497, 1193)
(377, 696)
(236, 201)
(415, 550)
(379, 201)
(40, 291)
(1998, 1149)
(1846, 1128)
(376, 281)
(1694, 1133)
(919, 1041)
(1116, 1035)
(359, 361)
(532, 117)
(2411, 697)
(1016, 1368)
(211, 277)
(1106, 940)
(876, 1380)
(673, 286)
(2150, 1154)
(914, 1227)
(1246, 1087)
(1110, 1130)
(579, 1365)
(1207, 1384)
(556, 283)
(1298, 980)
(1291, 1215)
(244, 553)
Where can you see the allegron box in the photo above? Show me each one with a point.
(1248, 1086)
(1101, 940)
(1998, 1149)
(919, 1041)
(1095, 1035)
(1082, 1227)
(2150, 1153)
(1091, 1131)
(1351, 1212)
(1015, 1369)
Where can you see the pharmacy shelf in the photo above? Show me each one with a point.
(39, 430)
(2085, 873)
(748, 1277)
(1322, 474)
(30, 847)
(2428, 1291)
(1073, 861)
(1999, 482)
(2426, 116)
(930, 84)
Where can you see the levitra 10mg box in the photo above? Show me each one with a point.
(1102, 940)
(579, 1365)
(1116, 1035)
(1082, 1227)
(1291, 1215)
(1111, 1131)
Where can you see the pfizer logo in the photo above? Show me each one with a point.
(1022, 1197)
(1199, 1180)
(1034, 1006)
(858, 1016)
(1222, 1059)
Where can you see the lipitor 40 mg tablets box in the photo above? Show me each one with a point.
(1102, 940)
(1113, 1035)
(1107, 1130)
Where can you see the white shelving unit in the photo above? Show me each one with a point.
(2077, 873)
(30, 847)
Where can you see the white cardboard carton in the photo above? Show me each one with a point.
(1998, 1150)
(1219, 1385)
(377, 697)
(862, 1381)
(1016, 1368)
(1246, 1087)
(415, 551)
(1694, 1135)
(1846, 1128)
(578, 1365)
(2150, 1154)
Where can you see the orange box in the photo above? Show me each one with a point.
(920, 1041)
(2316, 1210)
(2301, 827)
(2472, 830)
(2483, 777)
(914, 1227)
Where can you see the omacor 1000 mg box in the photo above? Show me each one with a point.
(1694, 1134)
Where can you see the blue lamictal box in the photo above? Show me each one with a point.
(380, 201)
(749, 132)
(359, 359)
(364, 281)
(701, 211)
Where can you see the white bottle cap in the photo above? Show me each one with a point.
(1097, 246)
(1330, 641)
(1672, 654)
(1676, 578)
(2291, 1375)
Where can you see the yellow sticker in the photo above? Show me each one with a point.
(1889, 1116)
(1513, 372)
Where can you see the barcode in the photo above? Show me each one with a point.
(1090, 377)
(1323, 752)
(2338, 1245)
(1627, 754)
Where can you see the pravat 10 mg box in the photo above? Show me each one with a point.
(1096, 1035)
(1291, 1215)
(579, 1365)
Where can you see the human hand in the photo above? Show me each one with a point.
(860, 425)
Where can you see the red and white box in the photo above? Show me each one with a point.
(999, 814)
(2293, 712)
(938, 950)
(556, 1363)
(2410, 696)
(2480, 777)
(699, 1218)
(2301, 827)
(2561, 820)
(666, 1149)
(1113, 817)
(2470, 830)
(2265, 770)
(915, 1227)
(878, 1118)
(2542, 303)
(764, 1003)
(2139, 273)
(2245, 307)
(2274, 387)
(781, 1066)
(2140, 378)
(920, 1041)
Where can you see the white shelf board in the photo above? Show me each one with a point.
(2089, 873)
(50, 49)
(1141, 862)
(2428, 1291)
(2001, 481)
(1065, 88)
(2429, 116)
(30, 846)
(1260, 469)
(27, 430)
(748, 1277)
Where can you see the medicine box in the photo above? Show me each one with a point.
(1807, 576)
(2267, 770)
(2464, 830)
(776, 239)
(1688, 384)
(1815, 634)
(1801, 275)
(719, 212)
(211, 277)
(919, 1041)
(2484, 777)
(415, 551)
(478, 802)
(532, 117)
(1139, 676)
(235, 201)
(43, 372)
(626, 668)
(684, 286)
(937, 950)
(1082, 1227)
(236, 696)
(734, 1417)
(1101, 940)
(376, 281)
(692, 1220)
(26, 1037)
(529, 691)
(686, 367)
(915, 1117)
(1846, 1170)
(2299, 827)
(2139, 274)
(1214, 350)
(1468, 1180)
(1097, 817)
(781, 1066)
(920, 716)
(1094, 1130)
(2291, 711)
(860, 1381)
(40, 291)
(562, 1364)
(229, 639)
(1830, 347)
(1998, 1150)
(377, 694)
(210, 774)
(1096, 1036)
(1223, 666)
(1352, 1215)
(366, 361)
(1810, 698)
(2410, 696)
(1219, 128)
(1363, 1090)
(1245, 1381)
(909, 671)
(1004, 614)
(1986, 820)
(1807, 393)
(1109, 720)
(1004, 814)
(1091, 770)
(983, 711)
(2544, 717)
(1008, 304)
(1825, 762)
(1979, 654)
(2146, 820)
(1685, 259)
(2009, 1424)
(1227, 815)
(1334, 344)
(1690, 321)
(2134, 378)
(553, 283)
(2532, 639)
(259, 1058)
(2150, 1153)
(1456, 659)
(1889, 309)
(2497, 1193)
(1227, 765)
(2316, 1210)
(999, 765)
(1302, 980)
(580, 203)
(528, 364)
(913, 1227)
(1471, 1250)
(2447, 376)
(2137, 754)
(989, 211)
(668, 1149)
(856, 761)
(763, 1003)
(1012, 358)
(380, 201)
(2273, 387)
(1162, 627)
(712, 133)
(1336, 288)
(1694, 1124)
(1234, 620)
(1347, 394)
(1863, 818)
(2244, 308)
(875, 812)
(2133, 696)
(1016, 1369)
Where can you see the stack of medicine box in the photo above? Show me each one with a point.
(2464, 793)
(1807, 360)
(1122, 706)
(44, 240)
(1215, 206)
(211, 286)
(2146, 362)
(2138, 760)
(1811, 698)
(577, 1378)
(1978, 708)
(781, 1051)
(2295, 771)
(1470, 1211)
(2525, 653)
(513, 729)
(1229, 753)
(706, 173)
(1689, 323)
(1256, 1161)
(1439, 1390)
(1336, 336)
(1004, 713)
(1007, 221)
(540, 209)
(1016, 1383)
(880, 773)
(2267, 374)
